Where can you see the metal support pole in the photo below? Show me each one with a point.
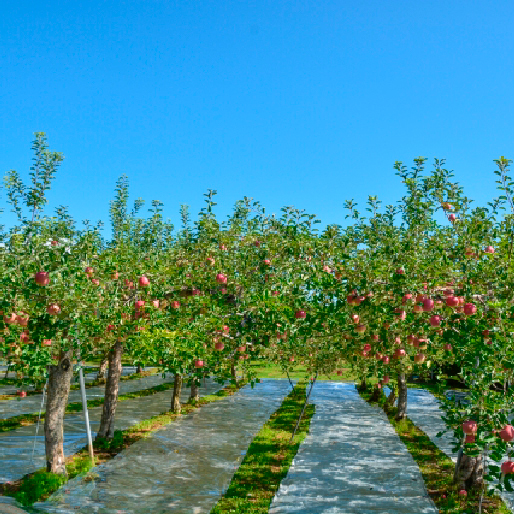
(86, 415)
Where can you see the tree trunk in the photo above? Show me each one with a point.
(233, 371)
(103, 368)
(7, 371)
(56, 401)
(111, 393)
(402, 397)
(376, 394)
(177, 387)
(194, 391)
(470, 472)
(139, 369)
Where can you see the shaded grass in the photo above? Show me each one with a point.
(436, 467)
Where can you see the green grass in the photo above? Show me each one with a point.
(268, 458)
(436, 467)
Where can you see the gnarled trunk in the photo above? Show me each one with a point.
(390, 399)
(139, 369)
(177, 387)
(103, 368)
(194, 396)
(402, 397)
(469, 472)
(111, 392)
(233, 371)
(56, 401)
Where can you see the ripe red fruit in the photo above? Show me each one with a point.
(143, 281)
(114, 275)
(95, 281)
(428, 305)
(198, 364)
(469, 427)
(378, 356)
(507, 467)
(139, 303)
(385, 359)
(89, 271)
(257, 244)
(435, 321)
(489, 249)
(226, 328)
(47, 342)
(219, 346)
(23, 321)
(110, 328)
(155, 303)
(300, 315)
(367, 347)
(463, 492)
(267, 262)
(41, 278)
(419, 358)
(400, 271)
(53, 308)
(448, 346)
(210, 261)
(452, 217)
(355, 318)
(21, 393)
(385, 380)
(54, 243)
(221, 279)
(291, 359)
(399, 352)
(175, 304)
(507, 433)
(24, 337)
(469, 309)
(452, 301)
(11, 319)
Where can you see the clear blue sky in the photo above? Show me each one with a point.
(291, 103)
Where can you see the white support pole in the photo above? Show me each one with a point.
(84, 409)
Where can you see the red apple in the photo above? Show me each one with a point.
(435, 321)
(507, 433)
(155, 304)
(385, 380)
(11, 319)
(469, 309)
(47, 342)
(24, 337)
(267, 262)
(419, 358)
(221, 279)
(95, 281)
(452, 301)
(53, 309)
(22, 394)
(139, 303)
(469, 427)
(448, 346)
(198, 364)
(21, 320)
(114, 275)
(300, 315)
(110, 328)
(507, 467)
(378, 356)
(385, 359)
(428, 305)
(211, 261)
(219, 346)
(355, 318)
(143, 281)
(291, 359)
(469, 439)
(452, 217)
(367, 347)
(54, 243)
(489, 249)
(399, 352)
(41, 278)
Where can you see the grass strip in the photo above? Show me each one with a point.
(268, 458)
(40, 485)
(29, 419)
(436, 467)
